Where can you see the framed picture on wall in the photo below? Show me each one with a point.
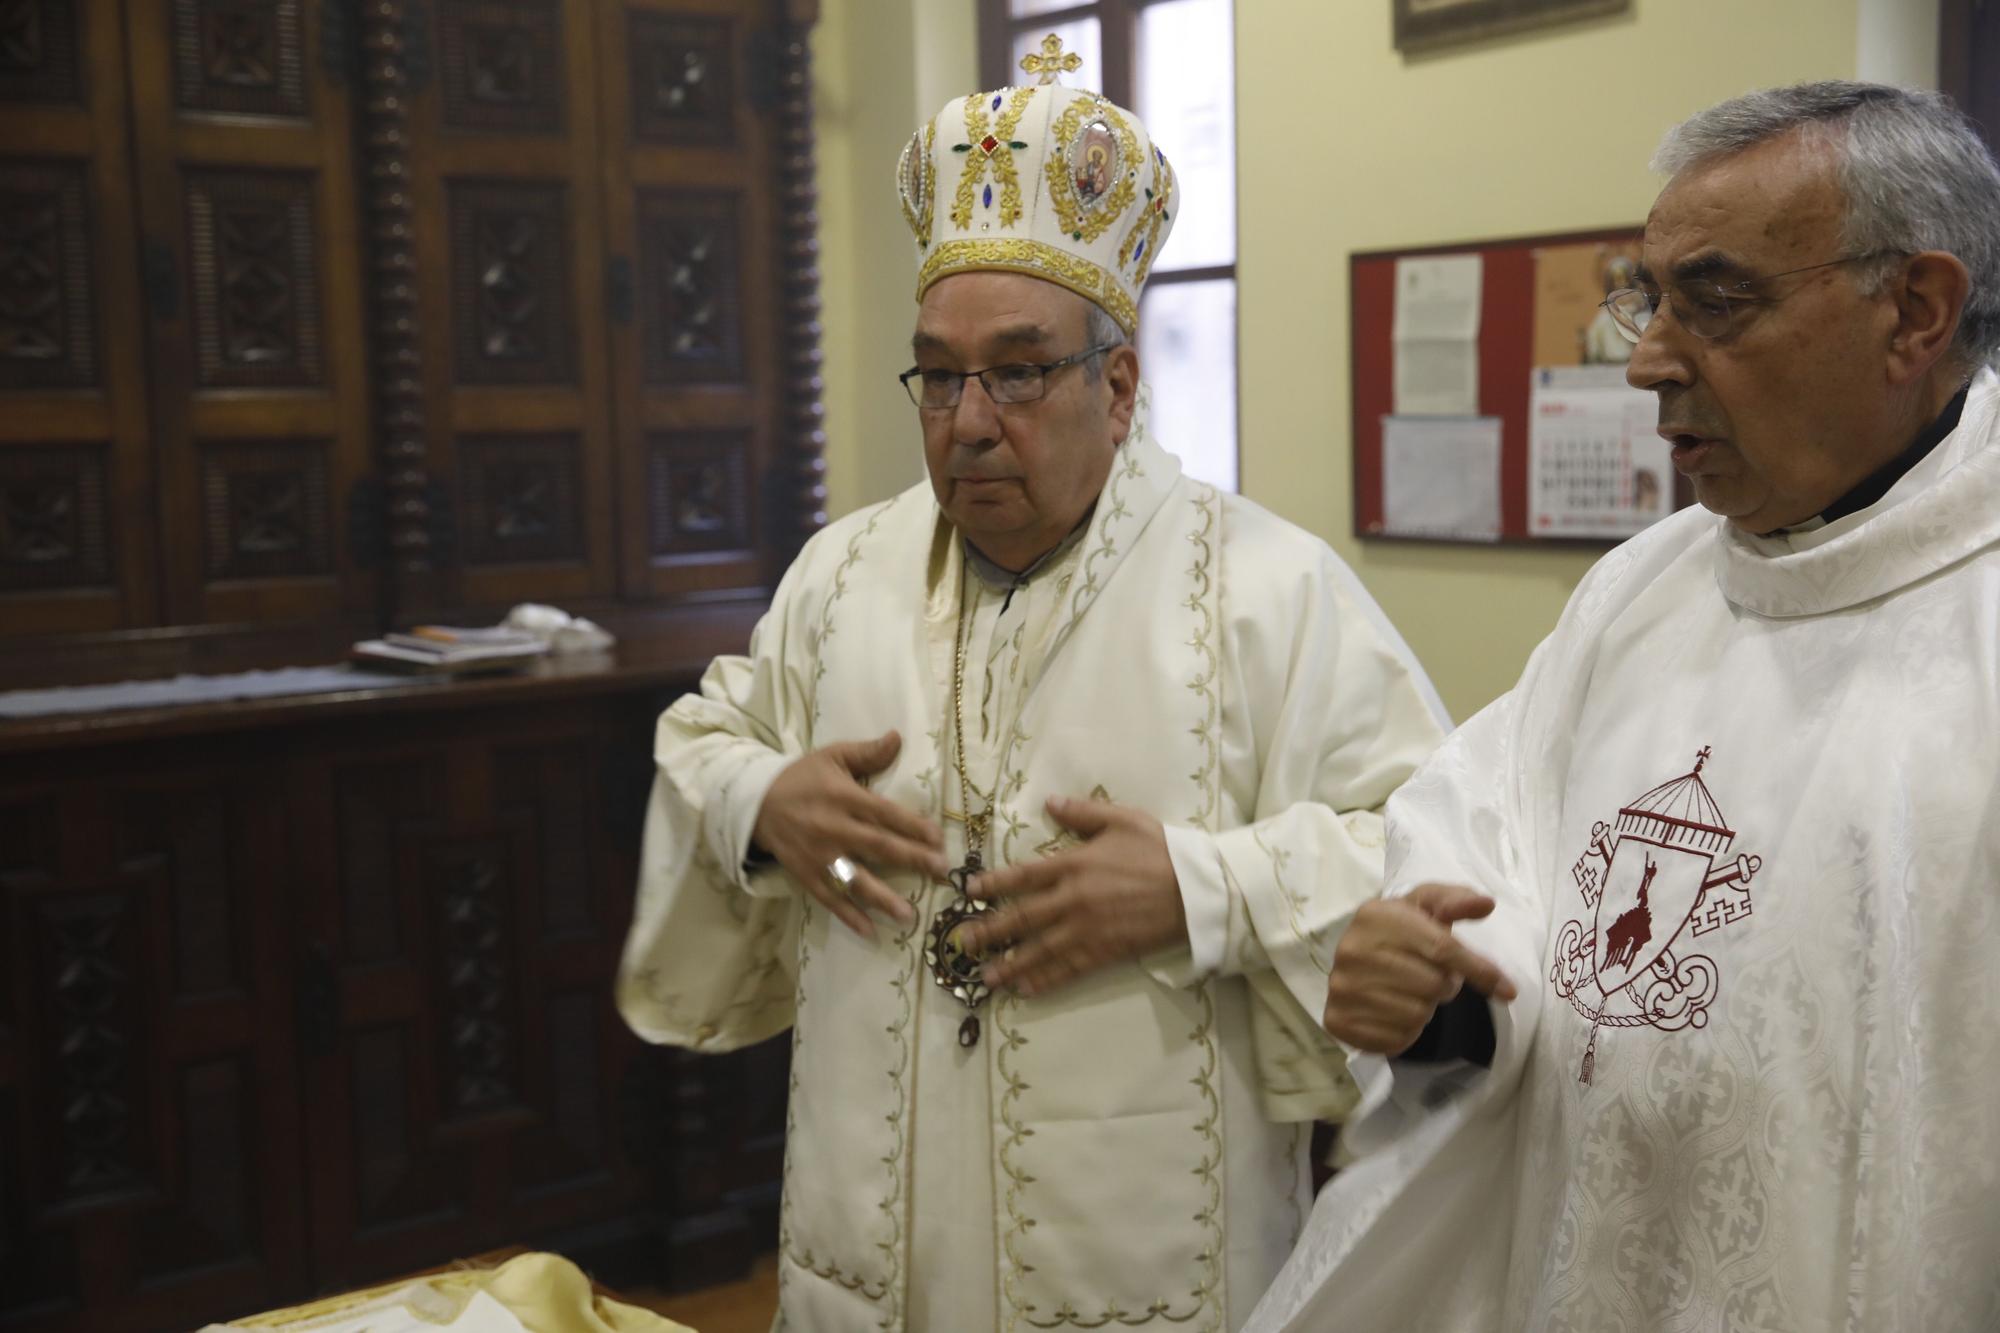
(1424, 25)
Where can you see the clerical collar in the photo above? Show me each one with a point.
(999, 578)
(1877, 483)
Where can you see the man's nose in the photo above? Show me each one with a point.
(1661, 357)
(976, 419)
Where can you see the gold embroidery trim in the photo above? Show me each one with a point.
(1037, 259)
(1294, 903)
(1203, 683)
(1088, 226)
(826, 626)
(1152, 219)
(1020, 1222)
(1067, 1315)
(886, 1290)
(1001, 158)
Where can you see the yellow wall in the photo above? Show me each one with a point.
(882, 67)
(1343, 145)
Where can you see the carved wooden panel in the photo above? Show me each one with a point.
(38, 51)
(256, 287)
(53, 532)
(519, 499)
(692, 286)
(90, 948)
(472, 896)
(501, 65)
(265, 509)
(244, 57)
(698, 494)
(683, 79)
(46, 335)
(510, 284)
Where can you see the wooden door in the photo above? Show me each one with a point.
(243, 139)
(149, 1120)
(509, 249)
(76, 475)
(687, 89)
(463, 920)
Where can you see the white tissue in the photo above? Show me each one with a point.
(563, 632)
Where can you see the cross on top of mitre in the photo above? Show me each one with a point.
(1052, 61)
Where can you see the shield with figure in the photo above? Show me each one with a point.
(1649, 893)
(1666, 844)
(1665, 870)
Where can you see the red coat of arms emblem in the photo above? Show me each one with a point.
(1663, 871)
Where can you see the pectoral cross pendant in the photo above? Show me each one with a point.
(952, 966)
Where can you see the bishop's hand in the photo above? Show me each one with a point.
(1073, 913)
(1397, 962)
(819, 809)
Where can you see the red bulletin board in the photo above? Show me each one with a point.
(1506, 355)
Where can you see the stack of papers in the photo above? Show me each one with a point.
(453, 648)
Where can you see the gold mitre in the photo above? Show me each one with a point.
(1049, 181)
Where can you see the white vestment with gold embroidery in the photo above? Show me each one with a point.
(1742, 819)
(1129, 1150)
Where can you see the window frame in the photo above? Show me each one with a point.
(1118, 35)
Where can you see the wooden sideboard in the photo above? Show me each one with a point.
(299, 993)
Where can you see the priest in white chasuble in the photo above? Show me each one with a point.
(1727, 859)
(1036, 805)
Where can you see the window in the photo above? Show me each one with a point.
(1173, 62)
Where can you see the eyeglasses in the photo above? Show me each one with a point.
(1704, 309)
(936, 390)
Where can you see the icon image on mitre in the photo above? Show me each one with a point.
(1663, 871)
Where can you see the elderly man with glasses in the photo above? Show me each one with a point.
(1036, 804)
(1724, 867)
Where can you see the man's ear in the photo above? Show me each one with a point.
(1930, 298)
(1121, 372)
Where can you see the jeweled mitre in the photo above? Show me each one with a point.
(1049, 181)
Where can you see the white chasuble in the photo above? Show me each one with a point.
(1742, 819)
(1129, 1150)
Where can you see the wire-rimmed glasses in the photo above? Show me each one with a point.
(939, 390)
(1703, 308)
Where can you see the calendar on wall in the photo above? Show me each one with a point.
(1596, 467)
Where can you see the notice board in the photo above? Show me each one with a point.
(1540, 340)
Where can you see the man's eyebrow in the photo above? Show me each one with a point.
(1711, 264)
(1021, 335)
(1013, 336)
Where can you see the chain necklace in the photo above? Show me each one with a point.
(952, 967)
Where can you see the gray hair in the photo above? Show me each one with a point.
(1913, 168)
(1099, 330)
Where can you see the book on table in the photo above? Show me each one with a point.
(452, 648)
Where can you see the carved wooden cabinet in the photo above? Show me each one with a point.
(303, 995)
(328, 313)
